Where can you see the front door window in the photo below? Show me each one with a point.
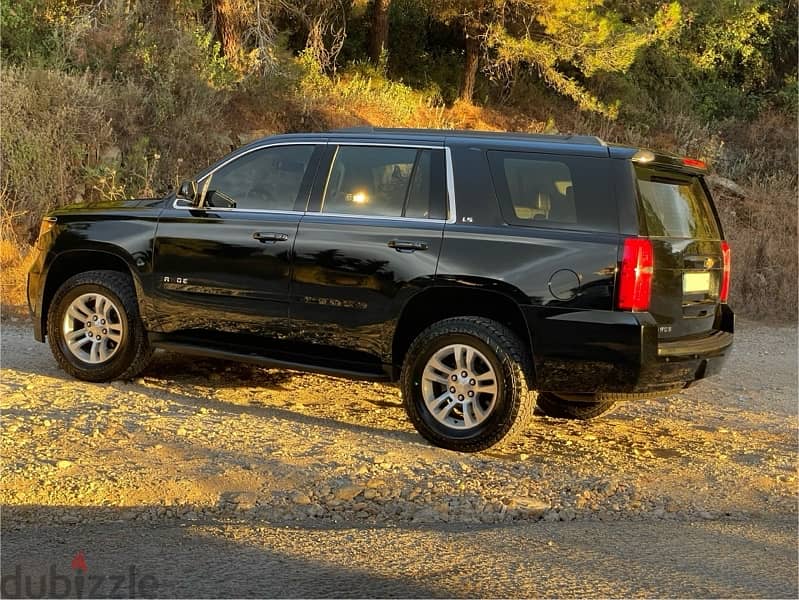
(267, 179)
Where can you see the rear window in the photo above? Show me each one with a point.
(563, 192)
(675, 206)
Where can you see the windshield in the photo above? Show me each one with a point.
(675, 205)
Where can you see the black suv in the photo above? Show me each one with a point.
(471, 267)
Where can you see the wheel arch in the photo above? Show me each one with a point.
(441, 302)
(72, 262)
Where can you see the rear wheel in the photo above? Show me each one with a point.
(94, 329)
(464, 384)
(588, 407)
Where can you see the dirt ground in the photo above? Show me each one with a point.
(215, 478)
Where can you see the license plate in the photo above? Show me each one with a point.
(693, 283)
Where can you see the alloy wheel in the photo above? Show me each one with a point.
(459, 386)
(93, 329)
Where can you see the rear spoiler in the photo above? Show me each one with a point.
(669, 161)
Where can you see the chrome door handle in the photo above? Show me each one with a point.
(407, 245)
(266, 236)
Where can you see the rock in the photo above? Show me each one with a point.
(552, 515)
(224, 140)
(426, 515)
(728, 185)
(347, 492)
(300, 498)
(568, 514)
(530, 507)
(181, 431)
(245, 137)
(64, 464)
(70, 518)
(370, 493)
(111, 155)
(242, 500)
(441, 508)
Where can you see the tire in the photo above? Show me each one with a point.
(561, 408)
(497, 355)
(124, 350)
(590, 406)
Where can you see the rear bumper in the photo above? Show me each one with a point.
(606, 351)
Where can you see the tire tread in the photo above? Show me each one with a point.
(516, 359)
(122, 285)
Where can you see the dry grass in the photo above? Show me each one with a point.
(15, 259)
(762, 230)
(57, 128)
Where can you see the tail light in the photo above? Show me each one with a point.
(635, 277)
(724, 293)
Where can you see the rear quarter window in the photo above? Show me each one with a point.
(675, 205)
(556, 192)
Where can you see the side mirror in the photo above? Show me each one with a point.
(187, 193)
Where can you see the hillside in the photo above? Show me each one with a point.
(115, 99)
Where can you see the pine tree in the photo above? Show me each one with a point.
(562, 40)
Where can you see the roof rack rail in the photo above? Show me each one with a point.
(565, 138)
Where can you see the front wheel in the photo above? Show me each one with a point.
(94, 328)
(465, 384)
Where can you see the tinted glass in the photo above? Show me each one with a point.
(557, 192)
(268, 179)
(386, 182)
(418, 204)
(675, 206)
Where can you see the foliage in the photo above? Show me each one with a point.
(113, 98)
(53, 125)
(547, 34)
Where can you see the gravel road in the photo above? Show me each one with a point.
(214, 478)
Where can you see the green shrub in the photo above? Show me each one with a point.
(54, 125)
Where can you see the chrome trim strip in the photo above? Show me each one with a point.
(373, 217)
(387, 145)
(450, 181)
(236, 157)
(238, 210)
(262, 147)
(451, 217)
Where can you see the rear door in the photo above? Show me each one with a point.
(678, 217)
(370, 240)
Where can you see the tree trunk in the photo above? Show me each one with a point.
(378, 36)
(230, 26)
(470, 68)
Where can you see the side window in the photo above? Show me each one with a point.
(268, 179)
(557, 192)
(386, 182)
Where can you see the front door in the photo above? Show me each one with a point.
(225, 266)
(369, 242)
